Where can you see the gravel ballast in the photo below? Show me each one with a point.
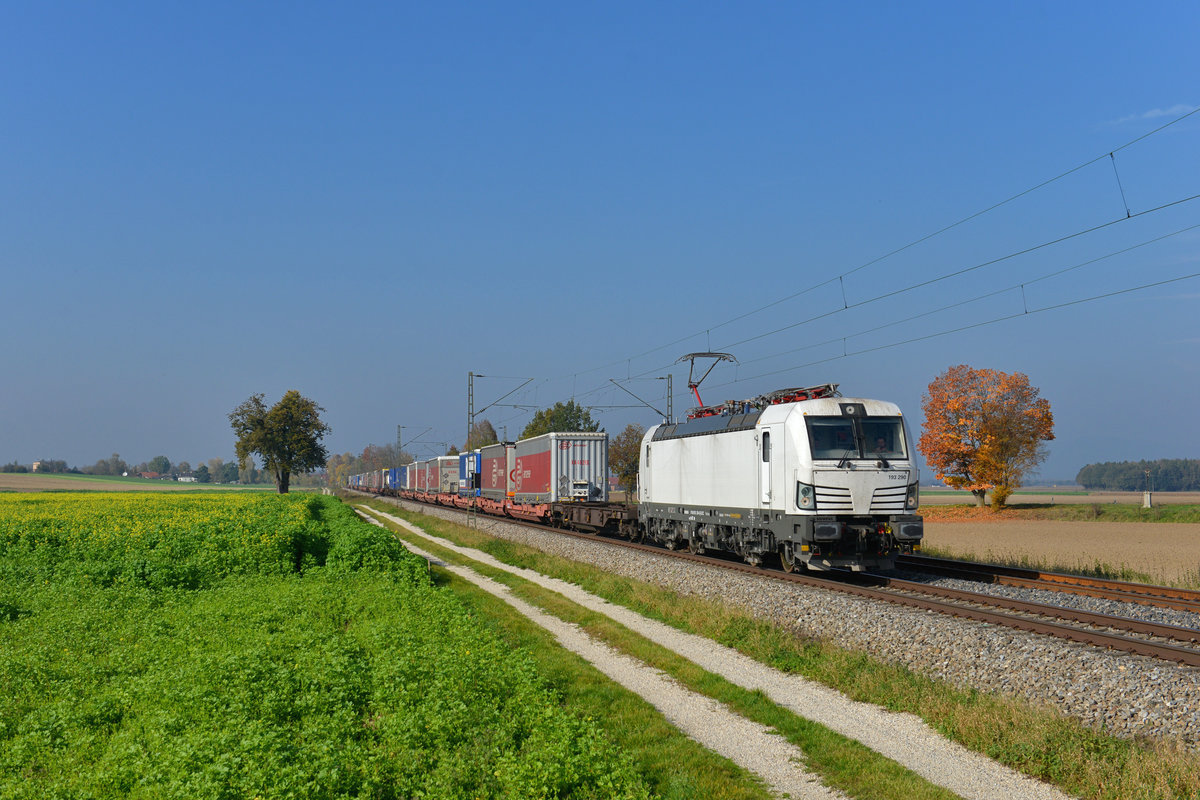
(1123, 694)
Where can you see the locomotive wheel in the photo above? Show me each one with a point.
(787, 561)
(695, 547)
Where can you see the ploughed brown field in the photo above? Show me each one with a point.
(1164, 552)
(1072, 496)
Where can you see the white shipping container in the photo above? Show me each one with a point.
(447, 475)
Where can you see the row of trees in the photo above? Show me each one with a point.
(216, 470)
(1163, 475)
(49, 466)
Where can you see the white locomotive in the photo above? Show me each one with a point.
(820, 480)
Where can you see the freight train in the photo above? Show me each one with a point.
(805, 476)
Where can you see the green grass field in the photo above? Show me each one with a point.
(255, 646)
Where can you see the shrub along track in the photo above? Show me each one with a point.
(901, 737)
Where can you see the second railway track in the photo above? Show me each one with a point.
(1087, 586)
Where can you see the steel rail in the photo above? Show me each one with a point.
(1102, 588)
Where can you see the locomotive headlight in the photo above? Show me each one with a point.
(805, 498)
(913, 498)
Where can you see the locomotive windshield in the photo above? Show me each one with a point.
(857, 437)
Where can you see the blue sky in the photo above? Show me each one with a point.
(366, 201)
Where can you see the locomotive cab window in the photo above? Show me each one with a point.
(857, 437)
(766, 446)
(883, 437)
(831, 437)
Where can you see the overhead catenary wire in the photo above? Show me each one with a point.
(845, 352)
(707, 330)
(973, 325)
(964, 270)
(957, 273)
(920, 240)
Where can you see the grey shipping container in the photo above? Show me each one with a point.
(561, 467)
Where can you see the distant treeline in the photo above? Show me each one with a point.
(1166, 475)
(45, 466)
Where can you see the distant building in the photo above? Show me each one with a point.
(36, 464)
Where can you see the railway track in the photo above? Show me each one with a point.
(1156, 640)
(1101, 588)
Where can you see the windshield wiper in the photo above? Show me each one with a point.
(846, 457)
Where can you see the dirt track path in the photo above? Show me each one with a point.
(903, 738)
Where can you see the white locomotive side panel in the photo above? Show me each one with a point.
(704, 470)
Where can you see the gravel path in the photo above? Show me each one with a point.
(1125, 694)
(903, 738)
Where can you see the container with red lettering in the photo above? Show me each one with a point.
(560, 467)
(495, 465)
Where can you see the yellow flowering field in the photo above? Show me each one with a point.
(156, 539)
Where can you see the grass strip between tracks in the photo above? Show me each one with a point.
(1037, 742)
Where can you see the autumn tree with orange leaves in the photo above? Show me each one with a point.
(984, 430)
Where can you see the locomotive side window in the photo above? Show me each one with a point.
(766, 446)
